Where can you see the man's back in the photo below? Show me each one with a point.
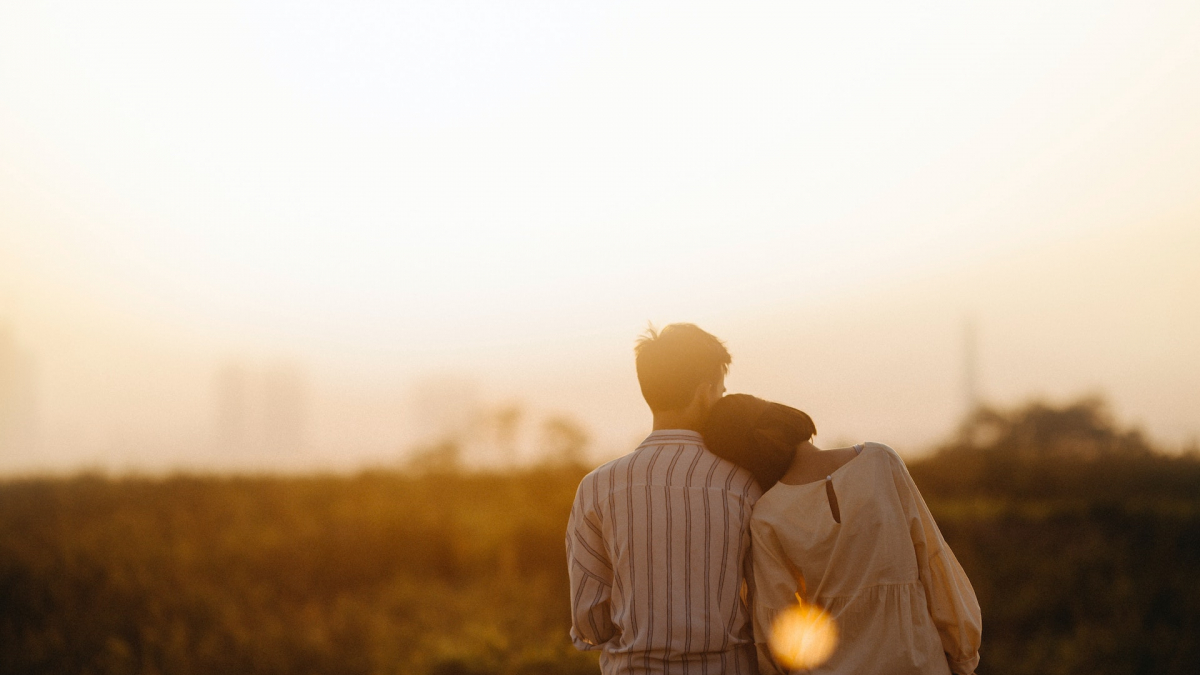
(657, 546)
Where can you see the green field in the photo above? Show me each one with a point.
(1082, 543)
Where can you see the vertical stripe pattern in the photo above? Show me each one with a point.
(657, 546)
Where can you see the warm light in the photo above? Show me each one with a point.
(803, 636)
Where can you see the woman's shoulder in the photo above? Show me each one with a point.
(890, 462)
(882, 452)
(887, 462)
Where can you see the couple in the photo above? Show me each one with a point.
(682, 553)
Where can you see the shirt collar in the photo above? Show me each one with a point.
(660, 436)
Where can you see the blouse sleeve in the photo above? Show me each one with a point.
(952, 602)
(774, 589)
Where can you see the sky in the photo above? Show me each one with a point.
(432, 210)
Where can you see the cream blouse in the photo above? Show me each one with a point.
(901, 601)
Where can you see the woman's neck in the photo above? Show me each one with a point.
(811, 463)
(805, 452)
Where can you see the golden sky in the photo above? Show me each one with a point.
(502, 195)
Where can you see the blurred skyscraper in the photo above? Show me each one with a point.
(18, 395)
(232, 410)
(283, 410)
(971, 396)
(261, 413)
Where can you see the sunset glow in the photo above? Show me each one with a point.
(502, 196)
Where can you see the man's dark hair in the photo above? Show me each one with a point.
(672, 362)
(757, 435)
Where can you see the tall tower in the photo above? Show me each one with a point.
(971, 398)
(232, 419)
(283, 410)
(260, 412)
(18, 409)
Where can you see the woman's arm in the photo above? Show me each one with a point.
(774, 589)
(948, 592)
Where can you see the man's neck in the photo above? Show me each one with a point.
(675, 419)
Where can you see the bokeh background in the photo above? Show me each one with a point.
(309, 312)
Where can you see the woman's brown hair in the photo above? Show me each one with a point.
(759, 436)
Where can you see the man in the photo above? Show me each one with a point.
(658, 540)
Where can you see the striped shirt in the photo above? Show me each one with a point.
(658, 545)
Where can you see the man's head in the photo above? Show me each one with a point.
(681, 370)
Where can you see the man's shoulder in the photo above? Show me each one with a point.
(613, 472)
(611, 466)
(601, 478)
(671, 464)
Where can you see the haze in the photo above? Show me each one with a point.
(382, 224)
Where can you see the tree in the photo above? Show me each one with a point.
(564, 441)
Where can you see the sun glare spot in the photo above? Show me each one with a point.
(803, 636)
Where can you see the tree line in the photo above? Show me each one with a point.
(1082, 541)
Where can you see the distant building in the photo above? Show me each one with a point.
(971, 396)
(233, 411)
(283, 410)
(18, 395)
(261, 413)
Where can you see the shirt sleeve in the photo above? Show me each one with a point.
(591, 575)
(948, 592)
(774, 590)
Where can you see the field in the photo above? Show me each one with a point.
(1082, 543)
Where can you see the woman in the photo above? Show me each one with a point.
(848, 530)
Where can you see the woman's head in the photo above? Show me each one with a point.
(757, 435)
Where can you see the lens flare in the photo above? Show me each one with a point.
(803, 636)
